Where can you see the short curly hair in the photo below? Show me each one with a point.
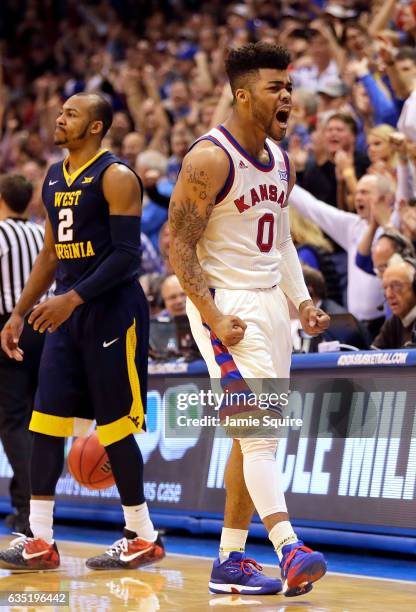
(243, 63)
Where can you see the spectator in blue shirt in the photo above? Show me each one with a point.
(153, 216)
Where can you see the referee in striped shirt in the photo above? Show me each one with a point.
(20, 242)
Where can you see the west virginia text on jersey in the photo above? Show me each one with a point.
(67, 198)
(79, 217)
(74, 250)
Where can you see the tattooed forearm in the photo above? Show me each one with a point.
(188, 270)
(187, 224)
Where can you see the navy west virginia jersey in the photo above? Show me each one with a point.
(79, 216)
(94, 366)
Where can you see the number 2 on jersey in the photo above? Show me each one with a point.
(66, 221)
(265, 232)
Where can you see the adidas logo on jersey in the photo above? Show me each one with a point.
(242, 164)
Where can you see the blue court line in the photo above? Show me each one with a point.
(349, 563)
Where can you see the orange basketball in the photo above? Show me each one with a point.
(89, 464)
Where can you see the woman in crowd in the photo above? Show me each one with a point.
(380, 151)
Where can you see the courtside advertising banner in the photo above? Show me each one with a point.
(346, 451)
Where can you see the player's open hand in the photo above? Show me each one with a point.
(10, 335)
(314, 320)
(49, 315)
(229, 329)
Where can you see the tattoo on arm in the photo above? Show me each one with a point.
(187, 226)
(198, 179)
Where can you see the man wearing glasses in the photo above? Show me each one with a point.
(399, 285)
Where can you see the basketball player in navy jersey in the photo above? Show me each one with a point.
(94, 364)
(233, 254)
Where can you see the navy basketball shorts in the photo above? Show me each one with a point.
(95, 367)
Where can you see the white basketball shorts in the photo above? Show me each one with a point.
(265, 351)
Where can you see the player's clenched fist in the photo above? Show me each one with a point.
(314, 320)
(229, 329)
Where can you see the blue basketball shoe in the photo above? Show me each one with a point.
(238, 574)
(300, 567)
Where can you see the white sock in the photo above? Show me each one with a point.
(138, 520)
(282, 534)
(232, 539)
(41, 518)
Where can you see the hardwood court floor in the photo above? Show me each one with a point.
(179, 583)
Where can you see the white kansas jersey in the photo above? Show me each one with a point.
(239, 248)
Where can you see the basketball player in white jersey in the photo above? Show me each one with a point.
(232, 251)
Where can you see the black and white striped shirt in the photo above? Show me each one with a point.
(20, 243)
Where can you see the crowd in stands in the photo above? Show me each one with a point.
(352, 132)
